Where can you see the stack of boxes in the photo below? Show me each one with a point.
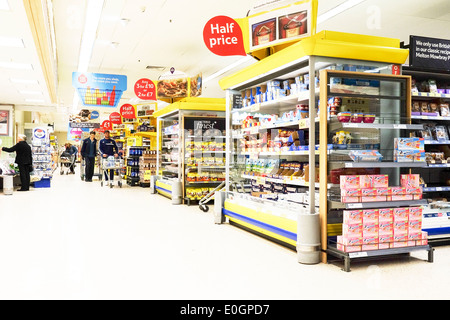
(374, 188)
(383, 228)
(377, 229)
(409, 150)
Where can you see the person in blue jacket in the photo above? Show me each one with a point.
(107, 148)
(73, 151)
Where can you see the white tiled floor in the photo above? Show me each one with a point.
(78, 240)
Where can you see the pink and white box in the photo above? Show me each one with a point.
(386, 228)
(415, 213)
(400, 214)
(370, 230)
(352, 229)
(353, 216)
(370, 216)
(386, 214)
(410, 180)
(400, 227)
(350, 182)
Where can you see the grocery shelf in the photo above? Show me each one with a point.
(437, 141)
(277, 104)
(374, 205)
(347, 125)
(299, 183)
(438, 118)
(436, 189)
(385, 165)
(431, 95)
(348, 256)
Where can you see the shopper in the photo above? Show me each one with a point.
(24, 161)
(73, 152)
(108, 147)
(88, 153)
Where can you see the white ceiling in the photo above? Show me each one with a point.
(169, 33)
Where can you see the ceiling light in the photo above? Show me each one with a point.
(24, 81)
(337, 10)
(92, 20)
(16, 65)
(11, 42)
(4, 5)
(114, 45)
(124, 22)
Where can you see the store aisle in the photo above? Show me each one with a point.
(78, 240)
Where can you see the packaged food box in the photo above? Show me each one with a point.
(385, 214)
(347, 249)
(350, 182)
(382, 238)
(353, 216)
(350, 240)
(400, 227)
(370, 240)
(386, 228)
(400, 214)
(350, 199)
(373, 199)
(368, 192)
(410, 180)
(352, 229)
(399, 244)
(403, 197)
(415, 213)
(368, 247)
(409, 143)
(370, 216)
(414, 226)
(351, 192)
(370, 230)
(409, 156)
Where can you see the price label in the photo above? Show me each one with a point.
(399, 126)
(145, 89)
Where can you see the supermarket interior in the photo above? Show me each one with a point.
(253, 149)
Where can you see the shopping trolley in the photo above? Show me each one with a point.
(116, 164)
(65, 161)
(235, 181)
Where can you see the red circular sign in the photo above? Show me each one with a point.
(127, 111)
(82, 79)
(107, 125)
(145, 89)
(223, 36)
(115, 118)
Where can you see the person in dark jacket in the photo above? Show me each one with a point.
(73, 151)
(108, 147)
(24, 161)
(88, 153)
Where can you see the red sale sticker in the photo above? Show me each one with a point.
(107, 125)
(145, 89)
(223, 36)
(115, 118)
(127, 111)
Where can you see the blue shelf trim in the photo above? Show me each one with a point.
(259, 224)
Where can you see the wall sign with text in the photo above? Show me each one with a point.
(223, 36)
(99, 89)
(429, 53)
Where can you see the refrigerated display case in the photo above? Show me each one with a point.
(272, 186)
(191, 158)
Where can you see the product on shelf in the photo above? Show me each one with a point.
(375, 188)
(409, 149)
(384, 228)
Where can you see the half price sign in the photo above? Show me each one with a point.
(127, 111)
(145, 89)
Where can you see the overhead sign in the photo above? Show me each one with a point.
(223, 36)
(127, 111)
(429, 53)
(115, 118)
(106, 125)
(281, 25)
(145, 89)
(99, 89)
(90, 125)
